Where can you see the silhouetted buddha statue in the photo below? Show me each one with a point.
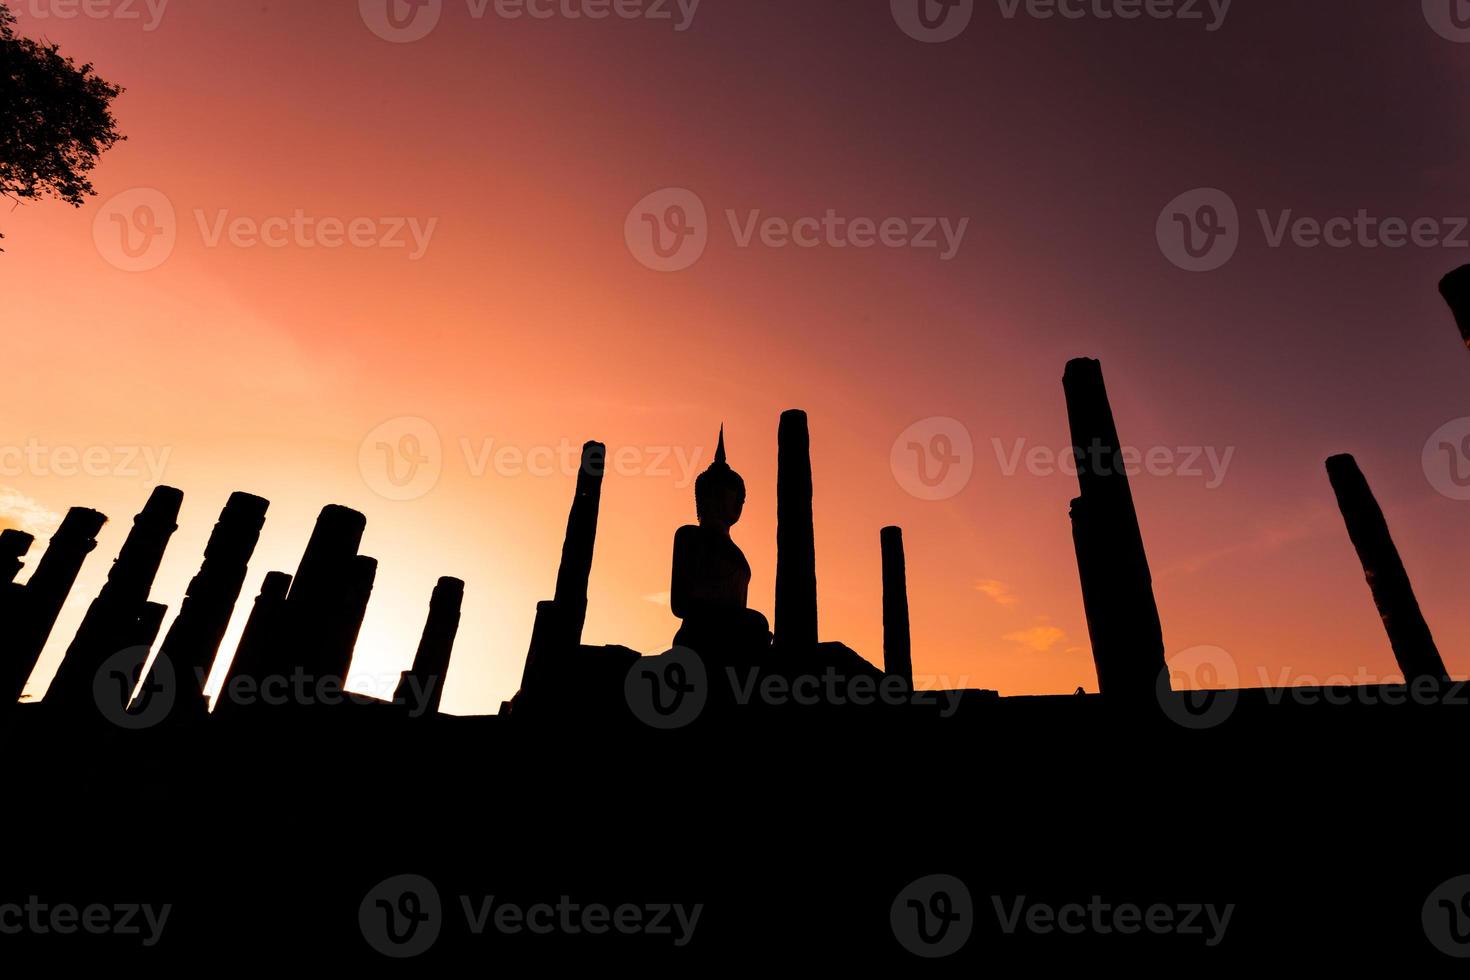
(711, 582)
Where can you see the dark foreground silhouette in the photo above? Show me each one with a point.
(753, 795)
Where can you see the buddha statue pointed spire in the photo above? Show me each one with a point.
(711, 578)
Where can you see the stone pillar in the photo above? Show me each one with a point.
(1408, 633)
(897, 649)
(557, 632)
(1455, 288)
(320, 596)
(549, 644)
(796, 550)
(112, 623)
(40, 603)
(193, 640)
(258, 652)
(362, 572)
(421, 688)
(576, 552)
(1117, 588)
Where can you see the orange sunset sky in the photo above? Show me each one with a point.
(526, 323)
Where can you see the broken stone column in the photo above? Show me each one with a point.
(333, 544)
(1408, 633)
(897, 649)
(117, 617)
(1117, 588)
(193, 640)
(38, 605)
(557, 632)
(796, 550)
(258, 652)
(13, 547)
(320, 595)
(421, 688)
(1455, 288)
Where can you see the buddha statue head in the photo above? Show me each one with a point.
(719, 492)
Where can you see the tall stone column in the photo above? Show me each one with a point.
(575, 570)
(796, 549)
(40, 603)
(1117, 588)
(193, 640)
(1408, 633)
(1455, 288)
(112, 623)
(421, 688)
(897, 649)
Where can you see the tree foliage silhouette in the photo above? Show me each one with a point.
(55, 119)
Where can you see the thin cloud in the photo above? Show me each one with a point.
(1038, 638)
(27, 514)
(998, 591)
